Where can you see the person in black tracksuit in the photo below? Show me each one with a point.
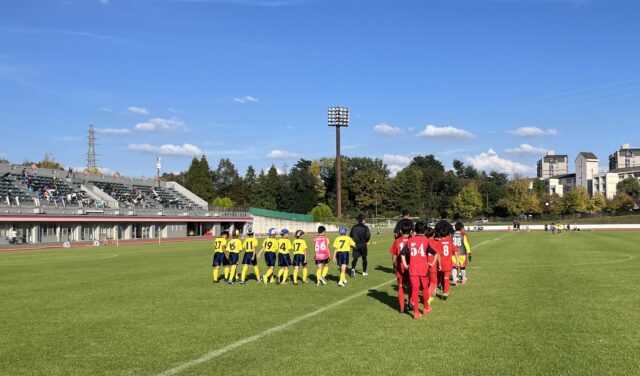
(444, 225)
(361, 235)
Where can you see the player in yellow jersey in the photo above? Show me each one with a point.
(300, 257)
(250, 244)
(220, 256)
(341, 247)
(284, 256)
(233, 248)
(270, 248)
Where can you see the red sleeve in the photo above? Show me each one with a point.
(392, 250)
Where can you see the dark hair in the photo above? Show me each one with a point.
(443, 232)
(430, 232)
(225, 232)
(360, 218)
(459, 226)
(444, 214)
(406, 228)
(405, 212)
(321, 230)
(421, 228)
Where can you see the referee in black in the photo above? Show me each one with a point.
(361, 235)
(444, 225)
(405, 221)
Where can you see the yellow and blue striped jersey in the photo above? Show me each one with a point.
(219, 245)
(299, 246)
(250, 244)
(235, 246)
(284, 246)
(270, 245)
(343, 243)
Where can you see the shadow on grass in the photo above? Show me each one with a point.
(385, 269)
(385, 298)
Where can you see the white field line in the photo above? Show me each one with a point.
(232, 346)
(215, 353)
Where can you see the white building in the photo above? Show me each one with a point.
(586, 169)
(561, 184)
(552, 165)
(626, 157)
(606, 183)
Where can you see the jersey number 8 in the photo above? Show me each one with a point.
(445, 249)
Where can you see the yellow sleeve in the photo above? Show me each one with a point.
(466, 244)
(335, 242)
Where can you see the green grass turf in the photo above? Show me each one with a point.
(535, 304)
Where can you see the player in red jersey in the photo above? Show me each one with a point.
(401, 273)
(433, 258)
(446, 250)
(417, 251)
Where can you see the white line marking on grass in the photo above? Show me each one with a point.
(215, 353)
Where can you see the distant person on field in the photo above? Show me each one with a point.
(402, 274)
(447, 251)
(406, 220)
(361, 235)
(461, 241)
(342, 247)
(417, 252)
(249, 245)
(322, 255)
(220, 256)
(284, 256)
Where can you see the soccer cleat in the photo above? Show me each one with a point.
(305, 281)
(324, 281)
(410, 307)
(259, 279)
(345, 282)
(243, 283)
(426, 311)
(431, 300)
(454, 283)
(364, 274)
(230, 282)
(295, 283)
(353, 273)
(464, 281)
(341, 284)
(416, 315)
(445, 296)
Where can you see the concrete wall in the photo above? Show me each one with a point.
(261, 225)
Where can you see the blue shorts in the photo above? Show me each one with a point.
(323, 262)
(270, 259)
(248, 259)
(233, 258)
(219, 258)
(342, 258)
(299, 260)
(284, 260)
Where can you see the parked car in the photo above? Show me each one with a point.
(482, 220)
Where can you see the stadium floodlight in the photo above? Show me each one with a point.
(338, 117)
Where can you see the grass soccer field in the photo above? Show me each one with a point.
(535, 304)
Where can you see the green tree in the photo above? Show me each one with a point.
(198, 178)
(468, 203)
(576, 201)
(540, 187)
(49, 162)
(321, 213)
(319, 187)
(225, 177)
(517, 196)
(222, 202)
(630, 186)
(302, 184)
(285, 194)
(251, 183)
(597, 203)
(621, 203)
(407, 190)
(264, 194)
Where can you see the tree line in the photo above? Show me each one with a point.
(425, 188)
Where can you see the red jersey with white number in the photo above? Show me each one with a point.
(321, 248)
(418, 251)
(446, 249)
(396, 249)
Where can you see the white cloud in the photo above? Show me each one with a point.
(526, 149)
(396, 162)
(491, 161)
(185, 150)
(138, 110)
(281, 154)
(533, 132)
(161, 125)
(451, 132)
(114, 131)
(387, 129)
(246, 99)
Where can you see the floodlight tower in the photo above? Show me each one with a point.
(338, 117)
(158, 166)
(91, 152)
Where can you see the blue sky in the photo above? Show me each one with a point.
(493, 82)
